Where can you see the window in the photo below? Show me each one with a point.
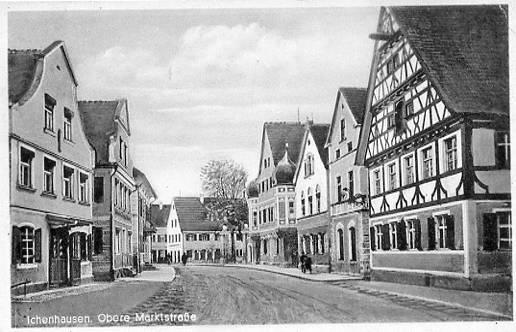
(341, 243)
(350, 146)
(504, 230)
(68, 182)
(399, 116)
(310, 201)
(441, 231)
(352, 244)
(392, 63)
(291, 211)
(450, 154)
(27, 245)
(83, 187)
(337, 154)
(393, 232)
(339, 189)
(255, 218)
(309, 165)
(391, 120)
(410, 234)
(67, 124)
(427, 160)
(50, 103)
(351, 189)
(318, 198)
(342, 129)
(281, 208)
(98, 241)
(49, 166)
(277, 246)
(120, 147)
(303, 211)
(503, 150)
(83, 246)
(409, 169)
(26, 159)
(379, 236)
(118, 241)
(204, 237)
(409, 108)
(393, 176)
(377, 182)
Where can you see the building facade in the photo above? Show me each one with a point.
(271, 196)
(107, 128)
(348, 189)
(141, 202)
(51, 168)
(162, 239)
(311, 203)
(436, 141)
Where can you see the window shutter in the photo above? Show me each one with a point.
(431, 233)
(417, 226)
(16, 246)
(490, 232)
(37, 245)
(402, 235)
(450, 232)
(88, 241)
(386, 239)
(372, 238)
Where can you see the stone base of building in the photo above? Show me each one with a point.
(30, 288)
(104, 276)
(477, 282)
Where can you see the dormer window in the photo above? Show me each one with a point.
(68, 124)
(50, 103)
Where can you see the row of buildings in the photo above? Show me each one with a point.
(410, 182)
(79, 208)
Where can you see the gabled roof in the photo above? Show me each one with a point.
(25, 70)
(159, 217)
(192, 215)
(356, 99)
(464, 50)
(99, 118)
(280, 133)
(319, 133)
(141, 180)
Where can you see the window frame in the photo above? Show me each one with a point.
(48, 111)
(52, 190)
(405, 169)
(393, 165)
(71, 182)
(504, 163)
(67, 125)
(86, 187)
(27, 259)
(29, 165)
(429, 147)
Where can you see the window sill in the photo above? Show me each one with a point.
(49, 131)
(71, 142)
(26, 188)
(26, 266)
(69, 199)
(49, 194)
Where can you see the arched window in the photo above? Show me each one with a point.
(310, 201)
(303, 211)
(318, 199)
(352, 244)
(340, 235)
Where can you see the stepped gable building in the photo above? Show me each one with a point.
(51, 168)
(348, 188)
(162, 243)
(272, 217)
(107, 127)
(436, 141)
(311, 191)
(142, 224)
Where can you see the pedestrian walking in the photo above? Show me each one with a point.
(308, 264)
(184, 258)
(302, 260)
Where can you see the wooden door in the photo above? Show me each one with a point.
(75, 259)
(58, 257)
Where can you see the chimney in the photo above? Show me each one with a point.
(201, 198)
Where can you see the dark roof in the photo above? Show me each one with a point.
(192, 215)
(464, 50)
(320, 132)
(356, 98)
(159, 217)
(98, 118)
(25, 70)
(280, 133)
(141, 179)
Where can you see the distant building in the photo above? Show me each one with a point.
(436, 140)
(51, 168)
(311, 183)
(348, 189)
(142, 224)
(106, 124)
(271, 196)
(161, 217)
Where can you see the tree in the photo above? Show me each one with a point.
(223, 184)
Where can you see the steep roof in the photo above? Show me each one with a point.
(192, 215)
(141, 179)
(25, 70)
(280, 133)
(464, 50)
(159, 217)
(356, 98)
(319, 133)
(99, 124)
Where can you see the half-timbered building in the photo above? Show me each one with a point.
(271, 196)
(311, 183)
(436, 142)
(347, 194)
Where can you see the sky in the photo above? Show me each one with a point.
(200, 83)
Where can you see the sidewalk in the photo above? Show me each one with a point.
(296, 273)
(499, 304)
(163, 273)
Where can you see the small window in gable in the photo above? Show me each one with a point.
(50, 103)
(68, 124)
